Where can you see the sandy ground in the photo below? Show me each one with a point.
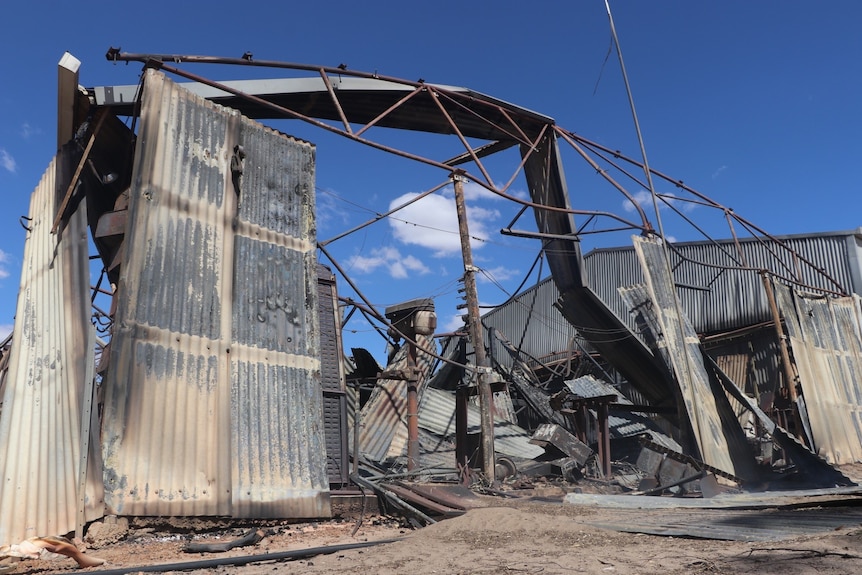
(501, 536)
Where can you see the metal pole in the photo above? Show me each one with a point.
(789, 375)
(412, 409)
(486, 405)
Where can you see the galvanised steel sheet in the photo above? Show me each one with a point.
(40, 422)
(717, 299)
(714, 427)
(533, 323)
(437, 415)
(383, 418)
(630, 424)
(213, 403)
(825, 336)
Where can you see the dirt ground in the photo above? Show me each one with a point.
(498, 536)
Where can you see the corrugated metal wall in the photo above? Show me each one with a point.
(531, 323)
(729, 300)
(213, 403)
(718, 300)
(383, 418)
(40, 422)
(719, 437)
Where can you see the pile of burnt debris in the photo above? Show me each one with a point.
(556, 433)
(558, 429)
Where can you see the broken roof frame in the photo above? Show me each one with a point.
(434, 108)
(357, 101)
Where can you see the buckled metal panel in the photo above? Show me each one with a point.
(719, 437)
(40, 422)
(825, 334)
(383, 419)
(213, 403)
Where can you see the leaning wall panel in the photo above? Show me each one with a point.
(216, 343)
(40, 422)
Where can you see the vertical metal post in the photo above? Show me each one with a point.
(412, 408)
(462, 456)
(789, 375)
(486, 405)
(604, 439)
(86, 423)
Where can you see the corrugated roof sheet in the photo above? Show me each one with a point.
(40, 422)
(719, 299)
(739, 525)
(633, 424)
(383, 418)
(437, 415)
(216, 342)
(534, 325)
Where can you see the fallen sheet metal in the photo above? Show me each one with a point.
(632, 423)
(383, 419)
(760, 500)
(714, 426)
(568, 444)
(825, 336)
(761, 525)
(437, 415)
(813, 469)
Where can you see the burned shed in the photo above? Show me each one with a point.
(221, 388)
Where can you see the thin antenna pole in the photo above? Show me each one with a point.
(646, 169)
(678, 308)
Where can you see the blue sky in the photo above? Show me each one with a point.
(755, 104)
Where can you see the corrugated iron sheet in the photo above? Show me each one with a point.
(536, 327)
(631, 425)
(719, 437)
(437, 415)
(216, 344)
(740, 525)
(383, 418)
(717, 300)
(40, 422)
(332, 379)
(825, 335)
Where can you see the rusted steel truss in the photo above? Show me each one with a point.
(470, 115)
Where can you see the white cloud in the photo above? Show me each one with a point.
(452, 323)
(329, 212)
(27, 131)
(718, 172)
(391, 260)
(432, 222)
(5, 258)
(644, 199)
(499, 274)
(7, 161)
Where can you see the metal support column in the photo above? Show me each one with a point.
(412, 408)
